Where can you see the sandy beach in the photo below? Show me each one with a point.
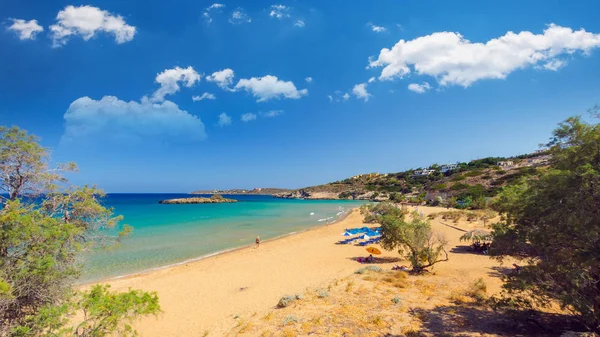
(204, 297)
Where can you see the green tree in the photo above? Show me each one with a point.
(553, 223)
(414, 239)
(44, 226)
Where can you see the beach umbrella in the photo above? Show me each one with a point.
(365, 236)
(347, 234)
(477, 235)
(373, 250)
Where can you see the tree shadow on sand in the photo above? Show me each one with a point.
(471, 320)
(378, 260)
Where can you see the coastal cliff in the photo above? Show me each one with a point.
(215, 199)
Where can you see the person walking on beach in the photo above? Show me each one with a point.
(257, 241)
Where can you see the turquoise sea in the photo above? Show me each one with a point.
(168, 234)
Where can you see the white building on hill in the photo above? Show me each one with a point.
(505, 164)
(448, 167)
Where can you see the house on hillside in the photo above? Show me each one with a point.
(506, 164)
(448, 167)
(424, 172)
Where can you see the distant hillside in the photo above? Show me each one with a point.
(461, 184)
(256, 191)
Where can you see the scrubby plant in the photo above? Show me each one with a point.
(45, 226)
(322, 293)
(553, 224)
(286, 300)
(290, 319)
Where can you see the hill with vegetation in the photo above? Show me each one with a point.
(462, 185)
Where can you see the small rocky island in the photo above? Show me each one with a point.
(214, 199)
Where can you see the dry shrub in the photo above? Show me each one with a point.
(268, 316)
(247, 326)
(425, 288)
(370, 278)
(349, 286)
(288, 332)
(478, 291)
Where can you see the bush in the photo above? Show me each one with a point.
(396, 300)
(459, 186)
(368, 268)
(322, 293)
(345, 195)
(457, 178)
(286, 300)
(289, 319)
(439, 187)
(478, 290)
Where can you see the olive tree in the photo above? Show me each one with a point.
(45, 225)
(413, 238)
(553, 224)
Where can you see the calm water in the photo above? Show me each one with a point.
(168, 234)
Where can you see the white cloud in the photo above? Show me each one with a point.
(26, 30)
(239, 16)
(360, 91)
(554, 65)
(375, 28)
(308, 79)
(204, 96)
(223, 78)
(247, 117)
(212, 8)
(299, 23)
(371, 80)
(279, 11)
(346, 96)
(269, 87)
(330, 98)
(419, 88)
(118, 120)
(169, 81)
(454, 60)
(86, 21)
(272, 113)
(216, 6)
(224, 120)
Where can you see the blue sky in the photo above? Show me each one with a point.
(393, 85)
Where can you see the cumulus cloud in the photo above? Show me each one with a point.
(308, 79)
(272, 113)
(375, 28)
(346, 96)
(223, 78)
(239, 16)
(169, 81)
(247, 117)
(453, 60)
(299, 23)
(554, 65)
(26, 30)
(330, 98)
(216, 7)
(204, 96)
(371, 80)
(269, 87)
(279, 12)
(224, 120)
(419, 88)
(360, 91)
(86, 21)
(114, 119)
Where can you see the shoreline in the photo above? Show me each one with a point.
(149, 271)
(210, 296)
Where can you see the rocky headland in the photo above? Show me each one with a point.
(215, 199)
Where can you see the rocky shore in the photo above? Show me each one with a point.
(215, 199)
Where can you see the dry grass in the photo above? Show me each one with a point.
(362, 305)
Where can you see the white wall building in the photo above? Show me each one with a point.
(448, 167)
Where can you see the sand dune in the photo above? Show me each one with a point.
(205, 296)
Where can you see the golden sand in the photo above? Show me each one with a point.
(207, 296)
